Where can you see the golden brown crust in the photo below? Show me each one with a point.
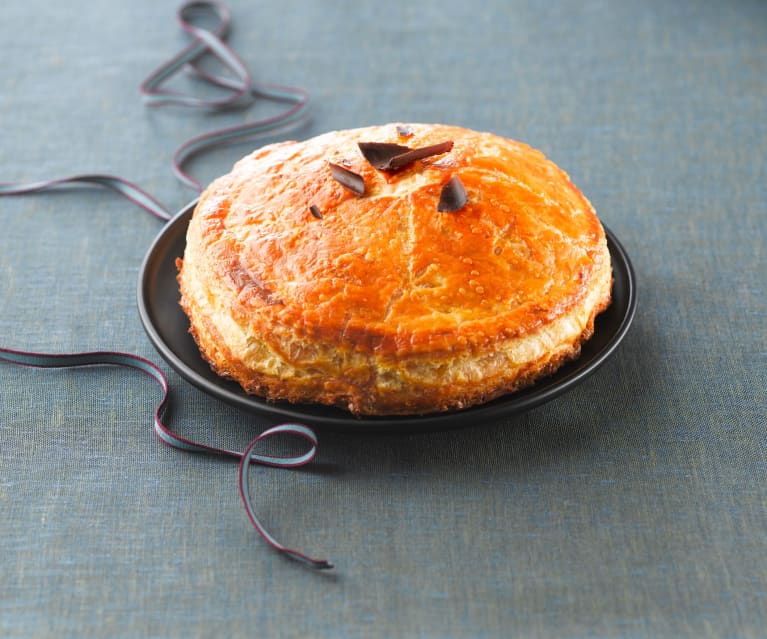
(379, 303)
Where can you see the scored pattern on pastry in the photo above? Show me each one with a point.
(384, 304)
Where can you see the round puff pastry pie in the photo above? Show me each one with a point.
(393, 269)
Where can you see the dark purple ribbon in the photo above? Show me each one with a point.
(241, 89)
(240, 92)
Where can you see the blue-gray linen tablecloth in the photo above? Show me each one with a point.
(635, 505)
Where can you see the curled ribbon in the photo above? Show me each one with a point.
(167, 436)
(241, 90)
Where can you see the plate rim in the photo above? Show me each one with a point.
(508, 405)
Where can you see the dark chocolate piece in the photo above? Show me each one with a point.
(386, 156)
(380, 154)
(402, 160)
(315, 210)
(351, 180)
(453, 196)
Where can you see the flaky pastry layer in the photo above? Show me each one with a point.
(302, 290)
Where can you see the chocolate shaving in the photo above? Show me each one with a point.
(419, 154)
(351, 180)
(453, 196)
(393, 157)
(315, 210)
(380, 154)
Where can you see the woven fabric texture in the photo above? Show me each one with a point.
(635, 505)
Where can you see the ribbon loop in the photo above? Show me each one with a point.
(204, 41)
(168, 437)
(241, 91)
(249, 456)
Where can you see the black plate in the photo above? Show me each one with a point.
(167, 327)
